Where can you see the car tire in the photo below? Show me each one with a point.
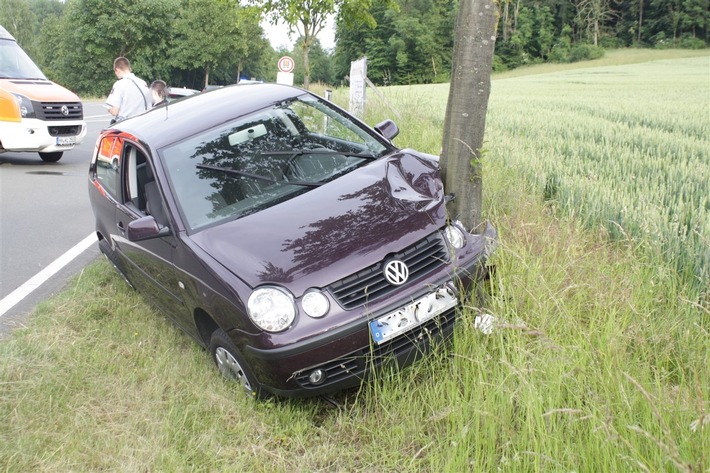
(51, 157)
(231, 363)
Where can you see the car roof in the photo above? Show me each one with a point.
(172, 122)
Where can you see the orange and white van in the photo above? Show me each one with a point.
(35, 113)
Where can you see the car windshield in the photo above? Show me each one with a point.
(265, 158)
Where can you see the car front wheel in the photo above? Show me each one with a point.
(51, 157)
(231, 364)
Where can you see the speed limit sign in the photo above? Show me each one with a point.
(286, 64)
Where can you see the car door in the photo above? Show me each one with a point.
(148, 263)
(104, 190)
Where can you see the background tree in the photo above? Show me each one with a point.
(307, 17)
(465, 121)
(206, 35)
(319, 60)
(592, 15)
(412, 42)
(92, 33)
(406, 41)
(46, 15)
(19, 20)
(254, 60)
(354, 41)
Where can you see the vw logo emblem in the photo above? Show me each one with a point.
(65, 110)
(396, 272)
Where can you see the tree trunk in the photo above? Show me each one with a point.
(306, 64)
(465, 123)
(640, 20)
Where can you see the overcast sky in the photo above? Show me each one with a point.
(278, 35)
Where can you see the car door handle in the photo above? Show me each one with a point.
(121, 228)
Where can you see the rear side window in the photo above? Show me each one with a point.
(108, 165)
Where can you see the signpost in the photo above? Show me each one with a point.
(285, 74)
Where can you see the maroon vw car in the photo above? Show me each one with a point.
(296, 244)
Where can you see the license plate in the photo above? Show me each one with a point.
(412, 315)
(66, 140)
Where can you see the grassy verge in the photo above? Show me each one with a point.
(598, 362)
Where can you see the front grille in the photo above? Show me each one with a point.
(73, 130)
(53, 110)
(370, 284)
(355, 364)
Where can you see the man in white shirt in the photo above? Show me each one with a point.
(130, 95)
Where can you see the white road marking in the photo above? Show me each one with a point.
(98, 118)
(9, 301)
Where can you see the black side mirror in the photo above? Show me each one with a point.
(145, 228)
(388, 129)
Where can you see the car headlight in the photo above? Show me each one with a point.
(455, 236)
(25, 105)
(272, 309)
(315, 304)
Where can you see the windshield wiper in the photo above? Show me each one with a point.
(328, 152)
(258, 177)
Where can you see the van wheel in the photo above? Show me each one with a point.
(51, 157)
(232, 365)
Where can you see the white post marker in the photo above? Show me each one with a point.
(285, 74)
(358, 75)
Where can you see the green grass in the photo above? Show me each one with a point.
(598, 361)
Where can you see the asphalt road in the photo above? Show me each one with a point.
(44, 212)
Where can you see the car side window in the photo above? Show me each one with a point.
(140, 189)
(137, 175)
(108, 165)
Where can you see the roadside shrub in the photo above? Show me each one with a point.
(510, 56)
(499, 64)
(559, 53)
(661, 42)
(584, 52)
(691, 42)
(611, 42)
(686, 41)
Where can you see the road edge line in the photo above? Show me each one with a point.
(12, 299)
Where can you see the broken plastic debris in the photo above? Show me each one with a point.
(484, 323)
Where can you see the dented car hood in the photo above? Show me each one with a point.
(323, 235)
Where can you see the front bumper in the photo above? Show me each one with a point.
(41, 135)
(347, 355)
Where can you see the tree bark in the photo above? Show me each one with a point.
(306, 64)
(640, 21)
(465, 122)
